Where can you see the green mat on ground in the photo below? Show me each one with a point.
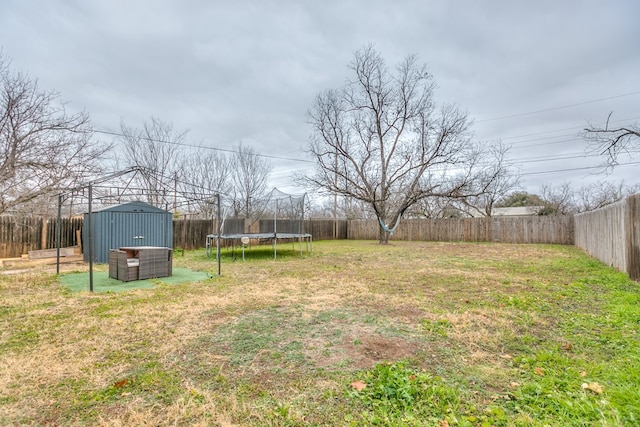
(78, 282)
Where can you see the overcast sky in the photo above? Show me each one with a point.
(532, 73)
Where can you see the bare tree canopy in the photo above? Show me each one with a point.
(158, 149)
(613, 141)
(494, 181)
(564, 199)
(382, 140)
(43, 149)
(206, 172)
(250, 175)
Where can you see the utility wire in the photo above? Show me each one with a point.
(577, 169)
(119, 134)
(182, 144)
(565, 129)
(545, 143)
(517, 161)
(558, 108)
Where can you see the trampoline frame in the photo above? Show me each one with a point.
(301, 237)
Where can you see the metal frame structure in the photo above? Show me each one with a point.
(86, 191)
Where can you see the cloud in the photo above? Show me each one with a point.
(248, 71)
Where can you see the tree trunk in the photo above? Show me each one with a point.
(384, 236)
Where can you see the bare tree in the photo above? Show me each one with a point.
(602, 193)
(250, 174)
(613, 141)
(354, 209)
(159, 151)
(563, 199)
(43, 149)
(430, 207)
(558, 199)
(495, 181)
(206, 173)
(382, 140)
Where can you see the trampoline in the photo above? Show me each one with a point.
(280, 216)
(244, 238)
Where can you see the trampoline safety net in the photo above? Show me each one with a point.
(277, 216)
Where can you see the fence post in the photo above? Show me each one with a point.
(632, 236)
(43, 233)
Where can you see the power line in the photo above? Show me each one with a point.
(554, 159)
(517, 161)
(182, 144)
(564, 156)
(558, 108)
(119, 134)
(563, 130)
(577, 169)
(546, 143)
(564, 135)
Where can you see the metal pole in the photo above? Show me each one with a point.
(301, 229)
(275, 230)
(58, 238)
(335, 199)
(175, 192)
(219, 235)
(90, 239)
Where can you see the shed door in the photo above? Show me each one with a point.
(139, 229)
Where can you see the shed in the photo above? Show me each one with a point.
(128, 224)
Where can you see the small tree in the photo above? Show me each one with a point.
(43, 149)
(519, 199)
(382, 140)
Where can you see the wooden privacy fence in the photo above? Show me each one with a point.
(191, 233)
(530, 229)
(20, 235)
(612, 234)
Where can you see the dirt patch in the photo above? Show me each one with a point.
(362, 353)
(374, 349)
(406, 313)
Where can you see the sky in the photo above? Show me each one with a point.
(532, 74)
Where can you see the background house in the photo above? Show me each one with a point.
(516, 211)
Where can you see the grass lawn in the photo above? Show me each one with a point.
(354, 333)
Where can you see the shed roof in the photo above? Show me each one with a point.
(133, 207)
